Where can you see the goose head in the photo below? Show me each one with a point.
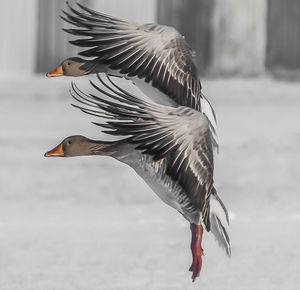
(72, 66)
(73, 146)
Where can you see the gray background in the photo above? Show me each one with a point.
(91, 223)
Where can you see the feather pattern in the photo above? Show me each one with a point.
(180, 135)
(219, 222)
(155, 53)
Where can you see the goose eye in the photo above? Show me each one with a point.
(68, 63)
(69, 142)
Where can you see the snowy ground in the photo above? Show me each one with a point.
(91, 223)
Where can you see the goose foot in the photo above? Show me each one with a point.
(197, 251)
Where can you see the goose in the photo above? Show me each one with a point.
(171, 148)
(156, 58)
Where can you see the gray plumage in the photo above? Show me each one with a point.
(171, 148)
(149, 54)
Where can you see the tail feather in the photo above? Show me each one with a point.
(219, 223)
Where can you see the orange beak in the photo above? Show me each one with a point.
(56, 152)
(58, 72)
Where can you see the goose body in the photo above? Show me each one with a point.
(170, 148)
(168, 138)
(155, 57)
(169, 190)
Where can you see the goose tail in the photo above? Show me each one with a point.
(219, 221)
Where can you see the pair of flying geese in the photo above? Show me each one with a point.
(170, 139)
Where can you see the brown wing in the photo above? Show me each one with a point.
(181, 135)
(158, 54)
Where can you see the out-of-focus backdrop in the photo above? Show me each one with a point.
(230, 37)
(92, 223)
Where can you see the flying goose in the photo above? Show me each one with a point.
(155, 57)
(170, 148)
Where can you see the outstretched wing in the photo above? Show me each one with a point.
(181, 135)
(158, 54)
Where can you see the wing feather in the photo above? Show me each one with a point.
(157, 46)
(179, 135)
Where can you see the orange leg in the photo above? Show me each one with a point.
(197, 251)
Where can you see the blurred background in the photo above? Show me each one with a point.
(231, 38)
(92, 223)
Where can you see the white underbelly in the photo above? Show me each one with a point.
(163, 188)
(149, 92)
(153, 174)
(168, 190)
(153, 93)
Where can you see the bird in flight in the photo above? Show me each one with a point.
(156, 58)
(168, 139)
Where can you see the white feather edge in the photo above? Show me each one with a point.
(207, 110)
(219, 215)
